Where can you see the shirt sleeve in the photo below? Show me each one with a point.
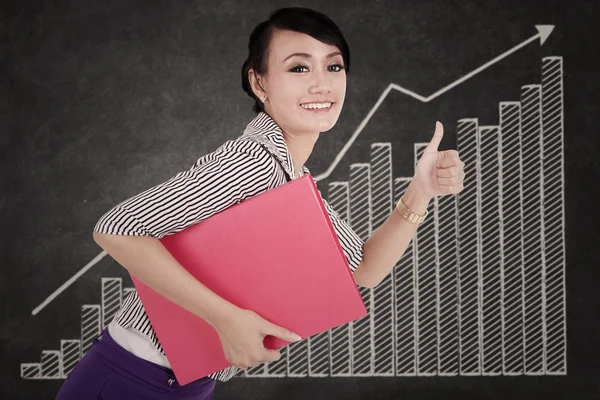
(230, 175)
(351, 243)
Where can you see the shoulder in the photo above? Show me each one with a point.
(252, 145)
(243, 150)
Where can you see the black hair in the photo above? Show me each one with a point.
(297, 19)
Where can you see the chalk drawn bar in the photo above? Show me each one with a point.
(319, 354)
(469, 221)
(448, 350)
(512, 238)
(51, 364)
(405, 310)
(112, 298)
(383, 294)
(91, 326)
(554, 214)
(31, 371)
(297, 356)
(531, 130)
(70, 352)
(340, 337)
(360, 221)
(426, 267)
(491, 247)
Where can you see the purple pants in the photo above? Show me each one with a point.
(108, 371)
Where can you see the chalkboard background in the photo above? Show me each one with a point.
(101, 100)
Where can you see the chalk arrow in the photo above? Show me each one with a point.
(543, 32)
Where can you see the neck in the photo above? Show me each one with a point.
(300, 147)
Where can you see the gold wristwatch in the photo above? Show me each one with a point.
(408, 214)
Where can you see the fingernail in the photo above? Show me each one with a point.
(296, 338)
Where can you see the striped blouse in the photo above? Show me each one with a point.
(256, 161)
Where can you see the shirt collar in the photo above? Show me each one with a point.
(266, 130)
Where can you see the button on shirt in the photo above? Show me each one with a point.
(256, 161)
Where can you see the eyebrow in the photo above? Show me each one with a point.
(306, 55)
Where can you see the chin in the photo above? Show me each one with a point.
(321, 124)
(326, 126)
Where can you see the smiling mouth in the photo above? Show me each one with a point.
(317, 106)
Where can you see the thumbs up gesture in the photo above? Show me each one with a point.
(439, 173)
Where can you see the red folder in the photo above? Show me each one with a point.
(276, 254)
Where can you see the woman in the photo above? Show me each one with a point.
(296, 74)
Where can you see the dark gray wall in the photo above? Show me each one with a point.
(101, 100)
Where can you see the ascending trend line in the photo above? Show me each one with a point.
(69, 282)
(543, 32)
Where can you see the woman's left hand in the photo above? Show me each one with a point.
(439, 173)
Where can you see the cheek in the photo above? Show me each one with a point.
(289, 91)
(340, 86)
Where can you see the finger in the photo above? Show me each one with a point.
(450, 171)
(437, 137)
(271, 355)
(452, 181)
(449, 153)
(451, 162)
(281, 333)
(449, 181)
(452, 189)
(448, 158)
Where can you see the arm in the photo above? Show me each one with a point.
(437, 173)
(130, 231)
(388, 243)
(147, 259)
(372, 260)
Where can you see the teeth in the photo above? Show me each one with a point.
(315, 105)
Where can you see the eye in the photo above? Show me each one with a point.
(295, 68)
(332, 68)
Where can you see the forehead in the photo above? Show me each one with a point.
(284, 43)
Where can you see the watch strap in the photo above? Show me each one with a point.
(408, 214)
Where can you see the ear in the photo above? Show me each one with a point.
(256, 82)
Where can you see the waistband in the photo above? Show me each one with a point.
(143, 371)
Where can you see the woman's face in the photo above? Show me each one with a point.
(296, 83)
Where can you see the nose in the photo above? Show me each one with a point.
(320, 84)
(322, 88)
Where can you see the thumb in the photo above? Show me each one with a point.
(437, 137)
(281, 333)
